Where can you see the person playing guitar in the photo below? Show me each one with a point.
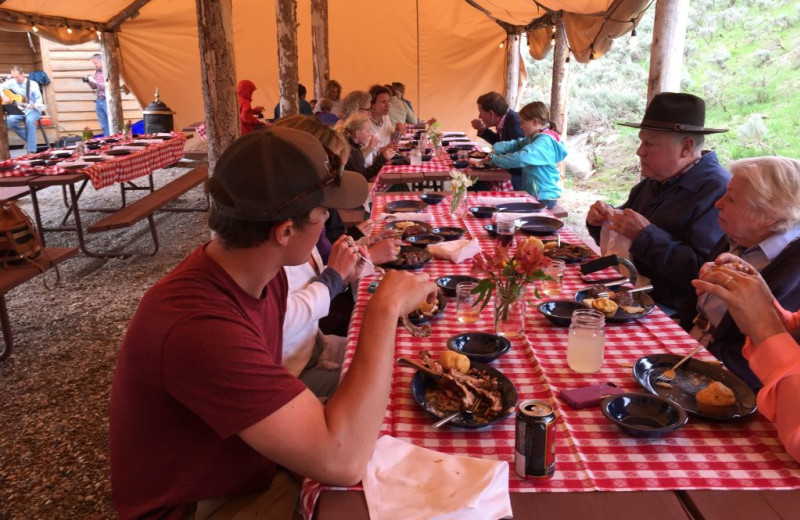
(26, 94)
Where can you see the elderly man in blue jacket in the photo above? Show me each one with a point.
(493, 111)
(670, 215)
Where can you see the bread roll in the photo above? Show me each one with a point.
(715, 399)
(449, 359)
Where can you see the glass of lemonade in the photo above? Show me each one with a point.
(586, 341)
(555, 271)
(467, 310)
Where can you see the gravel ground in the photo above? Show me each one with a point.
(56, 382)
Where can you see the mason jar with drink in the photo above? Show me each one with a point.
(586, 341)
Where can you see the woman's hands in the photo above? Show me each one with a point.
(344, 258)
(385, 250)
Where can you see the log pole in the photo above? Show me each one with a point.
(666, 52)
(319, 46)
(288, 76)
(109, 46)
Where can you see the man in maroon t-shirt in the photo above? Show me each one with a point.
(203, 415)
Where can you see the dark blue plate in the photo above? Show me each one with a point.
(420, 382)
(520, 207)
(424, 239)
(643, 415)
(482, 347)
(690, 378)
(482, 211)
(449, 283)
(449, 233)
(542, 226)
(460, 164)
(643, 300)
(408, 205)
(560, 311)
(418, 318)
(431, 198)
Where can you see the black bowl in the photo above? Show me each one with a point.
(449, 233)
(426, 158)
(449, 283)
(445, 142)
(460, 164)
(424, 240)
(453, 156)
(643, 415)
(491, 229)
(417, 318)
(37, 162)
(560, 311)
(431, 198)
(399, 160)
(482, 211)
(451, 149)
(464, 146)
(482, 347)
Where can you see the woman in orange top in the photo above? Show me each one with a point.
(771, 349)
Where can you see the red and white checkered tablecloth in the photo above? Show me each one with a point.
(592, 453)
(201, 131)
(114, 169)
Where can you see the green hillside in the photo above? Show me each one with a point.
(742, 57)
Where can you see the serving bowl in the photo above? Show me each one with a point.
(449, 283)
(460, 164)
(424, 239)
(482, 347)
(449, 232)
(482, 211)
(426, 158)
(451, 149)
(560, 311)
(431, 198)
(643, 415)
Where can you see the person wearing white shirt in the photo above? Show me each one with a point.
(31, 106)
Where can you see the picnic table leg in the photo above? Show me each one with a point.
(8, 339)
(36, 215)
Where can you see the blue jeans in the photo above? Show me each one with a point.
(27, 134)
(102, 114)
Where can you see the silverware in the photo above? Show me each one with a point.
(379, 270)
(402, 360)
(445, 420)
(669, 374)
(644, 288)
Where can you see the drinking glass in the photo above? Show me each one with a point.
(467, 309)
(555, 271)
(416, 157)
(586, 341)
(505, 233)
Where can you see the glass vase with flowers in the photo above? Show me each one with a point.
(459, 182)
(507, 276)
(434, 132)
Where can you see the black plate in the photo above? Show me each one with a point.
(74, 166)
(481, 166)
(539, 225)
(449, 233)
(690, 378)
(431, 198)
(481, 347)
(424, 239)
(420, 382)
(9, 167)
(643, 299)
(110, 140)
(118, 152)
(400, 206)
(393, 225)
(138, 143)
(399, 161)
(570, 254)
(96, 158)
(520, 207)
(401, 264)
(418, 319)
(162, 137)
(460, 165)
(449, 283)
(482, 211)
(560, 311)
(37, 162)
(464, 146)
(58, 155)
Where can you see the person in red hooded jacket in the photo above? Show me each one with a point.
(248, 115)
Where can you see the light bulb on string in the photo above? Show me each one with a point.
(634, 40)
(69, 29)
(553, 40)
(34, 28)
(502, 44)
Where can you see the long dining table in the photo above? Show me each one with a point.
(736, 469)
(74, 174)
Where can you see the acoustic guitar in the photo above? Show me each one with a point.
(13, 98)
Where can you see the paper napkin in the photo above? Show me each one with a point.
(456, 251)
(486, 200)
(413, 483)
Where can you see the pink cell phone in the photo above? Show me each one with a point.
(589, 395)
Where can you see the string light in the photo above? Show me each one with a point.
(568, 53)
(99, 33)
(553, 40)
(69, 29)
(34, 28)
(502, 44)
(633, 39)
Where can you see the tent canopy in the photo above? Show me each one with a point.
(446, 51)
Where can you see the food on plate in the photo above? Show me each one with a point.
(415, 229)
(477, 154)
(412, 257)
(714, 399)
(402, 225)
(623, 300)
(456, 391)
(449, 359)
(605, 305)
(567, 251)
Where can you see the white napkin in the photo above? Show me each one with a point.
(131, 148)
(455, 250)
(413, 483)
(416, 217)
(150, 141)
(486, 200)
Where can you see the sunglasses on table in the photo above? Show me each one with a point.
(335, 169)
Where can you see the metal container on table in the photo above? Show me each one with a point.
(535, 446)
(157, 117)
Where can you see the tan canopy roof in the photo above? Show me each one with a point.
(445, 51)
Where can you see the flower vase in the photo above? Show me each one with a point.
(509, 313)
(458, 204)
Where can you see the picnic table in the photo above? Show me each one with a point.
(707, 469)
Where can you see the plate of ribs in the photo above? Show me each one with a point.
(569, 253)
(454, 390)
(409, 258)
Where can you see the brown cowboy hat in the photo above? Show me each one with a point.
(675, 112)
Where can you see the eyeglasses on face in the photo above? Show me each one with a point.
(335, 169)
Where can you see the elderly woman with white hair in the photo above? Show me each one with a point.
(760, 216)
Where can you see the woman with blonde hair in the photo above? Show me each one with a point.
(537, 154)
(759, 215)
(333, 91)
(355, 102)
(358, 132)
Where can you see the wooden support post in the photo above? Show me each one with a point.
(559, 91)
(666, 52)
(288, 75)
(109, 47)
(217, 67)
(319, 46)
(4, 152)
(512, 68)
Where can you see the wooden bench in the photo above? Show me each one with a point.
(13, 192)
(11, 277)
(152, 202)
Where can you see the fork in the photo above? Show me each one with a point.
(605, 294)
(669, 374)
(442, 422)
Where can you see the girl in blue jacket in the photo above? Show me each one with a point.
(537, 154)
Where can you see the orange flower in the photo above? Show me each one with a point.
(530, 257)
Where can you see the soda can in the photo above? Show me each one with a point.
(535, 446)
